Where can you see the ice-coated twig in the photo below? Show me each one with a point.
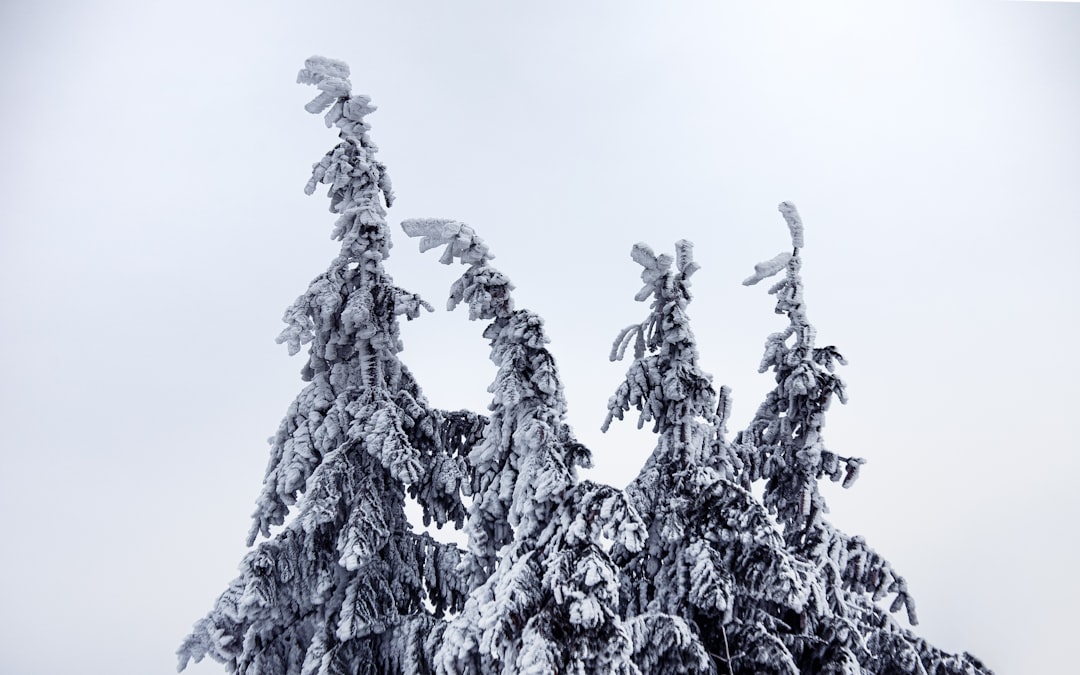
(330, 76)
(764, 270)
(461, 240)
(794, 223)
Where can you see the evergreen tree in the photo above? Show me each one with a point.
(844, 630)
(685, 571)
(545, 592)
(346, 585)
(714, 561)
(770, 586)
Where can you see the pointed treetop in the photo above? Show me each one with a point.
(794, 223)
(352, 161)
(331, 77)
(766, 269)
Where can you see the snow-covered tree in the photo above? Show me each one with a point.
(686, 571)
(345, 585)
(545, 592)
(714, 561)
(843, 630)
(764, 586)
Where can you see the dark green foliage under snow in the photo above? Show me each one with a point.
(683, 571)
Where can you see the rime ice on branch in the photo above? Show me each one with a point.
(346, 585)
(545, 596)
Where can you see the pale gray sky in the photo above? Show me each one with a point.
(153, 228)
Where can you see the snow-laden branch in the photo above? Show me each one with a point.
(461, 241)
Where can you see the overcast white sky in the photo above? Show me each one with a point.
(153, 229)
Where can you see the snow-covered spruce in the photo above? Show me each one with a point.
(842, 629)
(346, 585)
(714, 561)
(545, 592)
(560, 575)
